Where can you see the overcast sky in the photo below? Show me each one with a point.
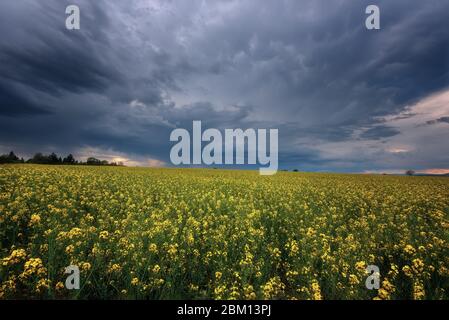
(344, 98)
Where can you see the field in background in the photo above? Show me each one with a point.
(178, 233)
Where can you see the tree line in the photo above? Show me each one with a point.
(53, 158)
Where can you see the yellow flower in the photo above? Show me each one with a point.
(407, 271)
(15, 257)
(86, 266)
(59, 286)
(273, 288)
(383, 294)
(418, 265)
(35, 219)
(249, 292)
(193, 287)
(104, 235)
(353, 280)
(276, 253)
(218, 275)
(361, 266)
(70, 249)
(114, 268)
(418, 291)
(34, 266)
(394, 270)
(387, 285)
(135, 281)
(42, 285)
(173, 249)
(316, 290)
(409, 249)
(294, 247)
(156, 268)
(153, 247)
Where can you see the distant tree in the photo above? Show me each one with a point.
(39, 158)
(410, 172)
(295, 170)
(13, 157)
(9, 158)
(69, 159)
(54, 159)
(93, 161)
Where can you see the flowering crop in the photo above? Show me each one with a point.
(180, 233)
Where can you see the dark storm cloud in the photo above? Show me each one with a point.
(326, 133)
(379, 132)
(138, 69)
(12, 103)
(439, 120)
(44, 55)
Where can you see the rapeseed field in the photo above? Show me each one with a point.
(140, 233)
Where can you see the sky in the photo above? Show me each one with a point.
(344, 98)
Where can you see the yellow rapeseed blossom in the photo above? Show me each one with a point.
(220, 234)
(15, 257)
(274, 288)
(35, 219)
(59, 286)
(417, 265)
(407, 271)
(104, 235)
(86, 266)
(360, 266)
(34, 266)
(418, 290)
(114, 268)
(409, 249)
(156, 268)
(153, 248)
(42, 285)
(70, 249)
(316, 290)
(353, 280)
(135, 281)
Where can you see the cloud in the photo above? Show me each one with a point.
(439, 120)
(343, 98)
(435, 171)
(130, 160)
(379, 132)
(13, 103)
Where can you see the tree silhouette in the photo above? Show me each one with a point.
(53, 158)
(69, 159)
